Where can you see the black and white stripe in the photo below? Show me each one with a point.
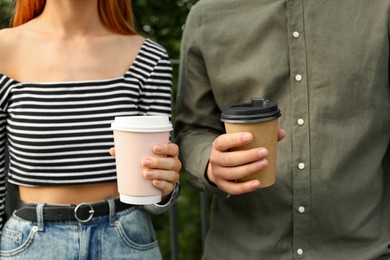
(59, 133)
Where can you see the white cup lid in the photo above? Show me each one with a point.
(142, 124)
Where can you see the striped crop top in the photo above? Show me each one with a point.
(59, 133)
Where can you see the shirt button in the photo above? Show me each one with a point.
(301, 166)
(295, 34)
(298, 77)
(300, 251)
(301, 209)
(300, 121)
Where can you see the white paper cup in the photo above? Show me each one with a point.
(134, 138)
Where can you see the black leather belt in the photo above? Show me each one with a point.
(82, 212)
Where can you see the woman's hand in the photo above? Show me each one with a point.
(163, 169)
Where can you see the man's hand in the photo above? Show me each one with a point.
(226, 166)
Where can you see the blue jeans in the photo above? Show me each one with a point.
(127, 234)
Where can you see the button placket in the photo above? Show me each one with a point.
(300, 134)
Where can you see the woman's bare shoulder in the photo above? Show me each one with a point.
(134, 41)
(7, 37)
(8, 45)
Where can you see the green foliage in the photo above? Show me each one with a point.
(163, 21)
(5, 13)
(187, 223)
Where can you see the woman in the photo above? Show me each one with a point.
(67, 68)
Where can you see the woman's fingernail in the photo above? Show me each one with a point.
(147, 162)
(148, 174)
(157, 148)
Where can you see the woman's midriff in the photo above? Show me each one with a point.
(70, 194)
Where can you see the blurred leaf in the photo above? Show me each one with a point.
(164, 21)
(5, 13)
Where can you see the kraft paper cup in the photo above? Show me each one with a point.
(259, 117)
(134, 138)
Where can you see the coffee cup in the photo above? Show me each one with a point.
(134, 138)
(260, 117)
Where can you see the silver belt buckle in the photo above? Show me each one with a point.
(91, 212)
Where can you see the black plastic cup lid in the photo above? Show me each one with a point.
(257, 110)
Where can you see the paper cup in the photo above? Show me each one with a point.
(259, 117)
(134, 138)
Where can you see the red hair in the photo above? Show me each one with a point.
(116, 15)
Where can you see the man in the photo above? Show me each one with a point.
(326, 65)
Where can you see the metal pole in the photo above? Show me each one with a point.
(204, 214)
(174, 233)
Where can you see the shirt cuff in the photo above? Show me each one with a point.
(211, 187)
(161, 208)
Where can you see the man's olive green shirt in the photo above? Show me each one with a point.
(326, 64)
